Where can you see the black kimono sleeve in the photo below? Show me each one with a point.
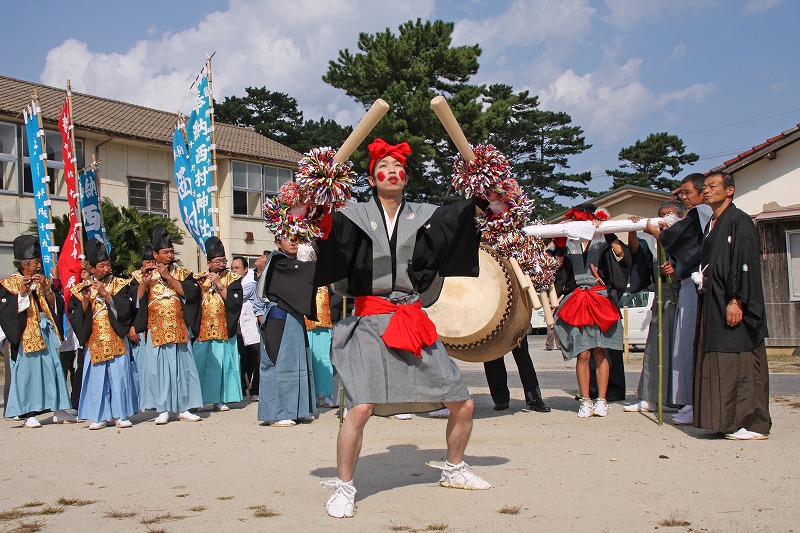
(684, 242)
(81, 321)
(447, 245)
(290, 284)
(139, 313)
(191, 304)
(642, 272)
(233, 307)
(615, 274)
(345, 254)
(11, 320)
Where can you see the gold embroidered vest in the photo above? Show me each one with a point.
(32, 338)
(213, 322)
(104, 343)
(165, 309)
(323, 311)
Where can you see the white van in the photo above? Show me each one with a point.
(640, 311)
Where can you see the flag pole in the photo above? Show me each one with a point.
(79, 213)
(46, 181)
(214, 188)
(659, 288)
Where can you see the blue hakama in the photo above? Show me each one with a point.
(37, 378)
(110, 389)
(319, 344)
(168, 379)
(218, 367)
(286, 387)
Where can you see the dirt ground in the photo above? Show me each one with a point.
(550, 471)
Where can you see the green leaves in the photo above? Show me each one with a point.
(653, 163)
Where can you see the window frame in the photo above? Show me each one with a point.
(263, 191)
(148, 200)
(792, 296)
(14, 158)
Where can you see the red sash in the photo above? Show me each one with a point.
(587, 308)
(409, 328)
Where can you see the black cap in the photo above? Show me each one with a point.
(96, 251)
(147, 253)
(214, 248)
(27, 247)
(161, 239)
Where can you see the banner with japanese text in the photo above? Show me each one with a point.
(201, 160)
(41, 182)
(69, 261)
(90, 209)
(186, 190)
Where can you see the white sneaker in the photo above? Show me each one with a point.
(403, 416)
(32, 422)
(684, 409)
(585, 408)
(186, 416)
(327, 401)
(461, 476)
(123, 423)
(62, 417)
(600, 407)
(162, 418)
(441, 413)
(283, 423)
(641, 407)
(684, 419)
(221, 407)
(343, 502)
(97, 425)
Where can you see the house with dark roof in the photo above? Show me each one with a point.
(625, 201)
(767, 181)
(134, 147)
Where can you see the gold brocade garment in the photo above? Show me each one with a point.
(323, 311)
(32, 338)
(104, 343)
(165, 310)
(213, 322)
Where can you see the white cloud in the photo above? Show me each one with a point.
(759, 6)
(678, 51)
(527, 22)
(611, 101)
(284, 46)
(627, 14)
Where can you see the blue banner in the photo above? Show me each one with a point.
(41, 194)
(201, 161)
(90, 209)
(186, 190)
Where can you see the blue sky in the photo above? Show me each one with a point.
(720, 74)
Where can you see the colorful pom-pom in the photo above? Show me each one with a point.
(483, 175)
(323, 181)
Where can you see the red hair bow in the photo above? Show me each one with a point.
(378, 149)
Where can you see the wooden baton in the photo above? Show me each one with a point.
(362, 129)
(448, 120)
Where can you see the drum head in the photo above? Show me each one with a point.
(469, 309)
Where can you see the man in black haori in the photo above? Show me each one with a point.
(731, 378)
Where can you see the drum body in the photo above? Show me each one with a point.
(482, 319)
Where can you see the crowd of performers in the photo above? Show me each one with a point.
(175, 342)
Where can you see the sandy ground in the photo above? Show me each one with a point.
(551, 472)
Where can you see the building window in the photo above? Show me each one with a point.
(55, 163)
(9, 157)
(252, 182)
(793, 261)
(148, 195)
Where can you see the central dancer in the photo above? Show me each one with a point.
(387, 253)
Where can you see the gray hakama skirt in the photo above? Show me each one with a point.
(394, 381)
(575, 340)
(648, 382)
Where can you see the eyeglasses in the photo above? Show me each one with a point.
(220, 261)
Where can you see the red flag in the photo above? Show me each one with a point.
(69, 262)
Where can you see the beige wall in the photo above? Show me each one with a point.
(765, 181)
(635, 205)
